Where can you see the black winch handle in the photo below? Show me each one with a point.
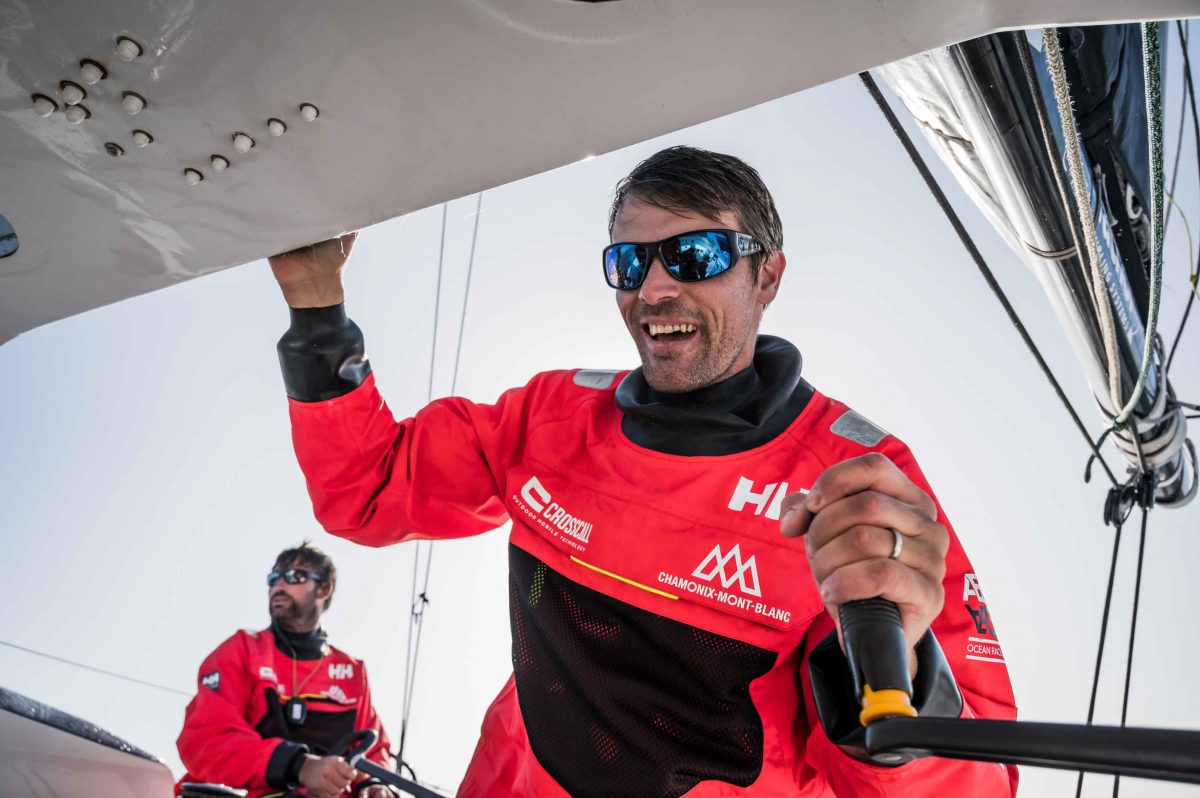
(878, 658)
(354, 746)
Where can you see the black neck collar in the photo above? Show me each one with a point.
(301, 645)
(739, 413)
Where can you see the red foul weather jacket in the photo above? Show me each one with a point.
(663, 630)
(235, 731)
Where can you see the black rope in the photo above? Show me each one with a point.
(1137, 590)
(1191, 94)
(967, 242)
(1108, 593)
(94, 669)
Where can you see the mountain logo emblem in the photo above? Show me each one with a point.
(730, 568)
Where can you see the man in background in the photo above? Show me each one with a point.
(270, 704)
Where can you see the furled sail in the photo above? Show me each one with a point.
(987, 107)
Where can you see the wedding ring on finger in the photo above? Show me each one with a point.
(897, 546)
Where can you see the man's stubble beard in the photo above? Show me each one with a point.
(293, 617)
(669, 375)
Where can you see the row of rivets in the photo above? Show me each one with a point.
(244, 142)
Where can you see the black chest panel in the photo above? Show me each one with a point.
(618, 701)
(320, 731)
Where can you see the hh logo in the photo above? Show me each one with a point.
(971, 588)
(720, 565)
(343, 670)
(768, 502)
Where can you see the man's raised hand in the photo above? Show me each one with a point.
(847, 519)
(311, 276)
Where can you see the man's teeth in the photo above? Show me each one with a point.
(662, 329)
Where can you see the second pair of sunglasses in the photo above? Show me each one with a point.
(294, 576)
(688, 257)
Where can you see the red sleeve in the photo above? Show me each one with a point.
(218, 744)
(377, 481)
(978, 668)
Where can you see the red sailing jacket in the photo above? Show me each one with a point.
(661, 625)
(234, 730)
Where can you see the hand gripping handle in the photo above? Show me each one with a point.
(878, 658)
(354, 746)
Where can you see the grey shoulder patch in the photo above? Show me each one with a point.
(594, 378)
(853, 427)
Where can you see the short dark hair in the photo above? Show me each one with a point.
(308, 556)
(709, 183)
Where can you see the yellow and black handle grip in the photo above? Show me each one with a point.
(878, 658)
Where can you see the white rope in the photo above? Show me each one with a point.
(1083, 206)
(1154, 121)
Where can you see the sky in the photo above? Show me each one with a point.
(148, 480)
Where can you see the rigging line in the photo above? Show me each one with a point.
(413, 642)
(977, 257)
(418, 607)
(1192, 276)
(462, 319)
(1108, 593)
(408, 658)
(1183, 100)
(437, 303)
(1137, 590)
(1083, 207)
(1189, 84)
(1187, 228)
(94, 669)
(417, 618)
(1153, 78)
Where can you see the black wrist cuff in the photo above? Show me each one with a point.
(935, 693)
(322, 355)
(283, 768)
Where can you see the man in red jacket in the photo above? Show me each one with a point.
(673, 590)
(269, 704)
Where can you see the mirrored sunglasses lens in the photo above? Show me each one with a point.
(272, 578)
(295, 577)
(624, 266)
(698, 256)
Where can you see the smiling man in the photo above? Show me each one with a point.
(673, 588)
(269, 704)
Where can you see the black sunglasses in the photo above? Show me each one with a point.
(688, 257)
(294, 576)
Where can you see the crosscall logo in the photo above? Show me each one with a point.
(538, 498)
